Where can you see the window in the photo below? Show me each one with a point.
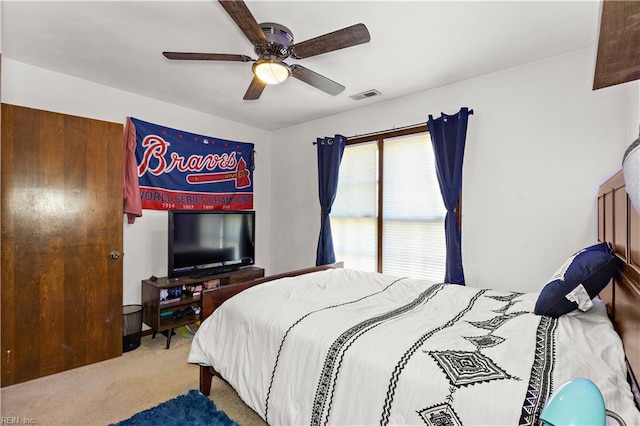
(388, 215)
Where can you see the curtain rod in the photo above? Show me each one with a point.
(381, 132)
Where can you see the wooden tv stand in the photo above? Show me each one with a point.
(160, 315)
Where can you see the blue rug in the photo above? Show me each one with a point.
(192, 409)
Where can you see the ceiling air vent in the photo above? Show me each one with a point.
(365, 95)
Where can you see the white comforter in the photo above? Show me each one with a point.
(349, 347)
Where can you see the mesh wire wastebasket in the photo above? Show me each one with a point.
(131, 327)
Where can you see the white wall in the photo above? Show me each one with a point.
(145, 242)
(538, 146)
(633, 113)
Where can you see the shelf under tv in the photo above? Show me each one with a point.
(153, 307)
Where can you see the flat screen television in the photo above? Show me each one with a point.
(208, 242)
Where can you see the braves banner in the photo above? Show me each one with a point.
(178, 170)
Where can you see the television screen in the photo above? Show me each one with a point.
(207, 242)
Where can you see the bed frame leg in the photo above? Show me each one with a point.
(205, 380)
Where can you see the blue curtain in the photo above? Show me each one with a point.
(448, 135)
(330, 152)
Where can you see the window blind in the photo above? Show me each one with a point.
(413, 242)
(413, 211)
(354, 212)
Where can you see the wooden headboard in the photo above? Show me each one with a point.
(619, 225)
(212, 299)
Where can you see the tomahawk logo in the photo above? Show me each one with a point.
(240, 176)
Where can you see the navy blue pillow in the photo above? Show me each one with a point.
(593, 267)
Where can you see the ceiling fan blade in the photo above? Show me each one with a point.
(316, 80)
(188, 56)
(242, 16)
(255, 89)
(346, 37)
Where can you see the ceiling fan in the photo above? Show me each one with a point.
(273, 43)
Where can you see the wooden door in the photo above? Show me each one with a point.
(61, 219)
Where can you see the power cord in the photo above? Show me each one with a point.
(619, 419)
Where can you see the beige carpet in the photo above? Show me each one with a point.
(116, 389)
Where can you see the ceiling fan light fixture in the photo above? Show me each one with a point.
(271, 71)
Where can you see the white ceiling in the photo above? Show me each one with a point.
(415, 46)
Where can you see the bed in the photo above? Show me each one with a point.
(331, 345)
